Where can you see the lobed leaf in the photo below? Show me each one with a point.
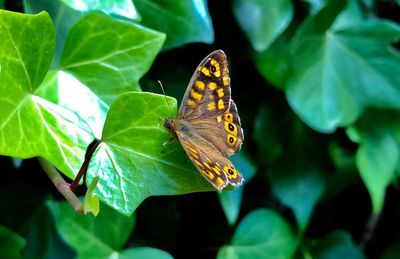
(326, 89)
(109, 56)
(30, 125)
(130, 161)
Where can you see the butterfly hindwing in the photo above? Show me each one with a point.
(208, 93)
(216, 168)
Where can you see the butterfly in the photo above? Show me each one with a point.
(208, 124)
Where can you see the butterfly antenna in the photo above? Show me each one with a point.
(165, 96)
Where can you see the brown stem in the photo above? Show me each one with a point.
(89, 153)
(62, 186)
(370, 228)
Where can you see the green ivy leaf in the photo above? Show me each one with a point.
(63, 18)
(92, 237)
(102, 52)
(261, 234)
(130, 161)
(326, 89)
(263, 21)
(123, 8)
(338, 244)
(231, 200)
(145, 253)
(274, 63)
(65, 90)
(11, 244)
(299, 189)
(378, 133)
(30, 125)
(42, 240)
(184, 21)
(392, 251)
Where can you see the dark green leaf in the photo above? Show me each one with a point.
(231, 200)
(338, 244)
(145, 253)
(392, 251)
(42, 240)
(107, 233)
(263, 21)
(102, 52)
(273, 63)
(184, 21)
(11, 244)
(261, 234)
(30, 125)
(378, 155)
(326, 89)
(299, 189)
(130, 162)
(117, 7)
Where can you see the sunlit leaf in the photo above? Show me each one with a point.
(30, 125)
(117, 7)
(102, 52)
(130, 161)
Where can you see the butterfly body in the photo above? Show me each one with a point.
(208, 124)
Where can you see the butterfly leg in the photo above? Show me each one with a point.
(166, 143)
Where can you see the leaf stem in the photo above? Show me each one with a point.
(369, 231)
(62, 186)
(89, 153)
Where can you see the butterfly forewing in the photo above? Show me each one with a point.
(208, 93)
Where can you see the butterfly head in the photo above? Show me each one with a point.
(169, 124)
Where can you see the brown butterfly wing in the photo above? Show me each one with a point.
(208, 93)
(216, 168)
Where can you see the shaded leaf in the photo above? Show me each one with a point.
(123, 8)
(378, 133)
(231, 200)
(338, 244)
(184, 21)
(298, 188)
(326, 89)
(11, 244)
(145, 253)
(263, 21)
(261, 234)
(130, 161)
(30, 125)
(83, 232)
(102, 52)
(392, 251)
(42, 240)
